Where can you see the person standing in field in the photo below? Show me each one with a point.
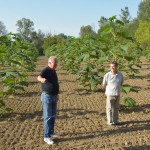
(112, 82)
(49, 98)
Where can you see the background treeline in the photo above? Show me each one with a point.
(139, 28)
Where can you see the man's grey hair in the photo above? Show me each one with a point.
(52, 57)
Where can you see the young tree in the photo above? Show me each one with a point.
(125, 15)
(25, 28)
(102, 21)
(102, 24)
(3, 30)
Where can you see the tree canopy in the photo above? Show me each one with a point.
(125, 15)
(143, 32)
(86, 30)
(25, 28)
(144, 10)
(3, 30)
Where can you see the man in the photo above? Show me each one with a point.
(50, 90)
(112, 81)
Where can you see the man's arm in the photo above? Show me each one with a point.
(104, 85)
(40, 79)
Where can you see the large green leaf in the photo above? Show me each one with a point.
(119, 22)
(8, 89)
(2, 103)
(128, 58)
(23, 83)
(129, 102)
(1, 95)
(8, 80)
(126, 88)
(108, 30)
(125, 47)
(121, 67)
(112, 18)
(101, 60)
(15, 62)
(13, 73)
(18, 87)
(86, 56)
(9, 109)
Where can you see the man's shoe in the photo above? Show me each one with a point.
(55, 135)
(48, 141)
(117, 123)
(110, 124)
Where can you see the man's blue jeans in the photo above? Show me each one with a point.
(49, 103)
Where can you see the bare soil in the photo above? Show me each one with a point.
(81, 118)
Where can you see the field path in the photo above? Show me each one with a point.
(81, 118)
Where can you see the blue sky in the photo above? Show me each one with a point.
(62, 16)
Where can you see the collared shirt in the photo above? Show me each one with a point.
(113, 83)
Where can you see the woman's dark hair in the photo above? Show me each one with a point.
(115, 63)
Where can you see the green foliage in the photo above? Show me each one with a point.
(52, 40)
(88, 56)
(144, 10)
(129, 102)
(86, 31)
(17, 57)
(143, 32)
(38, 41)
(102, 21)
(3, 30)
(132, 27)
(126, 88)
(125, 15)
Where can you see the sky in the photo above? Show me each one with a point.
(62, 16)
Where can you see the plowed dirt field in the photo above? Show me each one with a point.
(81, 118)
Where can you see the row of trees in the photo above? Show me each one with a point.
(88, 57)
(85, 56)
(17, 58)
(117, 39)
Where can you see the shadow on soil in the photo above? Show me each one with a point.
(67, 80)
(69, 113)
(61, 114)
(28, 94)
(138, 108)
(147, 76)
(33, 83)
(37, 116)
(143, 147)
(83, 91)
(130, 126)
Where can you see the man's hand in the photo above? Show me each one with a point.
(43, 80)
(104, 86)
